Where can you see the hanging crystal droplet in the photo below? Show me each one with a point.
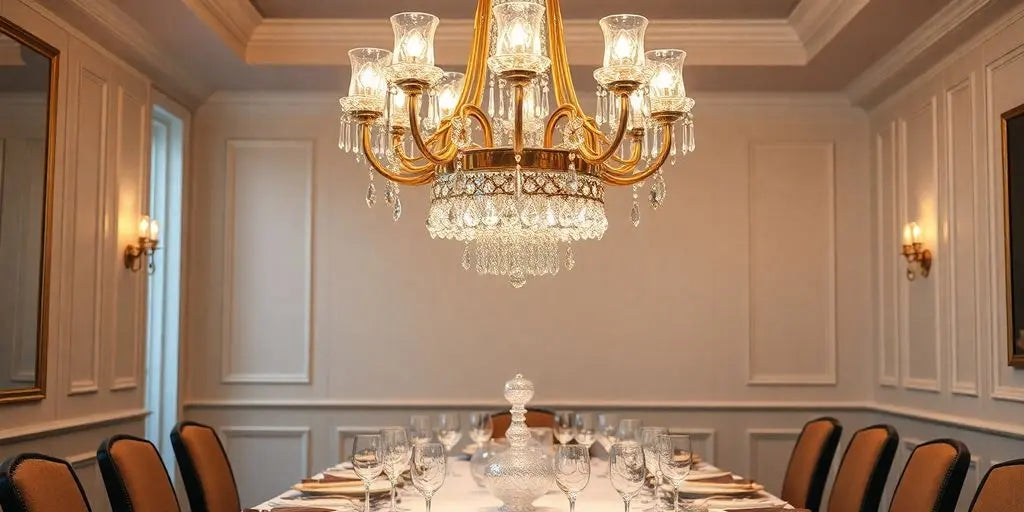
(465, 257)
(570, 259)
(490, 102)
(397, 213)
(517, 279)
(389, 193)
(371, 195)
(634, 214)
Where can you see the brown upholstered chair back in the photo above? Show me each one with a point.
(205, 468)
(134, 476)
(32, 482)
(864, 469)
(932, 479)
(534, 418)
(809, 464)
(1002, 489)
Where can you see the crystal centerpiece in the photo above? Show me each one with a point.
(522, 473)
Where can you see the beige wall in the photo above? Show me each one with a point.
(937, 161)
(746, 297)
(95, 368)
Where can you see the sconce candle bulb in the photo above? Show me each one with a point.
(148, 240)
(919, 259)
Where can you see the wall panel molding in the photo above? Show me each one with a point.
(959, 240)
(932, 236)
(792, 233)
(887, 311)
(757, 440)
(229, 374)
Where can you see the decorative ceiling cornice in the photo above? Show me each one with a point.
(234, 21)
(817, 22)
(720, 42)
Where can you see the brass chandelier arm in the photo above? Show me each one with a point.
(556, 116)
(666, 147)
(371, 158)
(485, 124)
(629, 164)
(409, 164)
(446, 154)
(592, 157)
(517, 136)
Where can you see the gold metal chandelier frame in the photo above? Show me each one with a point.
(596, 150)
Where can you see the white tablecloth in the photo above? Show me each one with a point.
(461, 494)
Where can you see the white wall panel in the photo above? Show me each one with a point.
(888, 270)
(919, 169)
(792, 264)
(268, 262)
(769, 451)
(252, 448)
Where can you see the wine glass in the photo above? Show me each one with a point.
(367, 461)
(626, 469)
(572, 470)
(564, 429)
(675, 458)
(481, 427)
(649, 441)
(448, 431)
(395, 446)
(428, 467)
(419, 429)
(586, 429)
(629, 429)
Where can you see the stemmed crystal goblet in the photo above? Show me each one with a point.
(649, 441)
(629, 429)
(449, 431)
(675, 457)
(626, 469)
(586, 429)
(396, 450)
(419, 429)
(481, 427)
(564, 429)
(428, 468)
(367, 461)
(572, 471)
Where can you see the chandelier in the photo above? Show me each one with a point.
(517, 177)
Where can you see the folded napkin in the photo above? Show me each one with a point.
(719, 479)
(768, 509)
(327, 479)
(292, 509)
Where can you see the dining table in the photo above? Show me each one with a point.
(460, 493)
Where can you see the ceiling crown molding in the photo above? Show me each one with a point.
(233, 20)
(819, 21)
(718, 42)
(135, 41)
(873, 82)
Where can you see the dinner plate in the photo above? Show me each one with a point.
(708, 489)
(335, 503)
(355, 489)
(704, 475)
(344, 474)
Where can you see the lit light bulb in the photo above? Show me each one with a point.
(519, 37)
(663, 81)
(369, 79)
(446, 101)
(154, 230)
(623, 48)
(415, 46)
(398, 100)
(911, 233)
(144, 226)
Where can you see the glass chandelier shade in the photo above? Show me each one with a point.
(624, 58)
(518, 26)
(666, 89)
(413, 56)
(517, 170)
(367, 88)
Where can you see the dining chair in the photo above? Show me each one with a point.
(862, 473)
(33, 482)
(932, 478)
(205, 468)
(534, 418)
(809, 463)
(1002, 489)
(134, 476)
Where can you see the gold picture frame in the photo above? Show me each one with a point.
(1012, 129)
(29, 40)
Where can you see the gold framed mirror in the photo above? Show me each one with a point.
(28, 112)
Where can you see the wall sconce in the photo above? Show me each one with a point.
(919, 259)
(149, 236)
